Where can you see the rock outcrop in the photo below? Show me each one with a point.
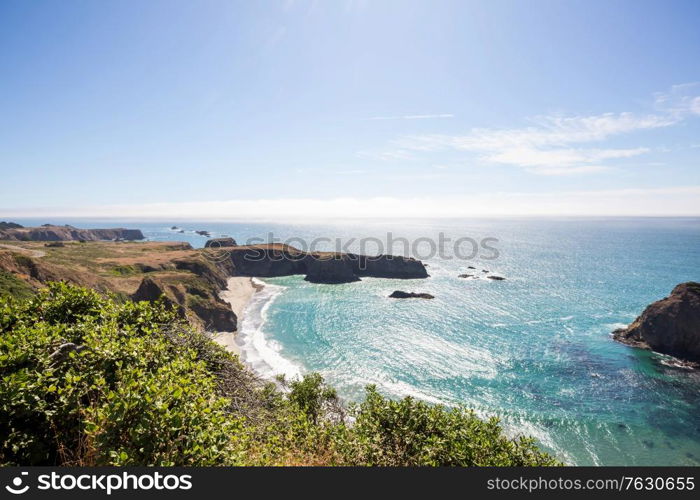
(669, 326)
(398, 294)
(387, 266)
(220, 242)
(48, 232)
(282, 260)
(332, 270)
(267, 261)
(193, 299)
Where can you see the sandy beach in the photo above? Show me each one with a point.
(238, 293)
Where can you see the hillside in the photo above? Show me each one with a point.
(190, 279)
(90, 381)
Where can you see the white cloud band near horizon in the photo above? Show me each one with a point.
(668, 201)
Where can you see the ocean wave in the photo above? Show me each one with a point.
(258, 351)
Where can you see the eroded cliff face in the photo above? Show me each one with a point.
(68, 233)
(197, 300)
(388, 266)
(669, 326)
(279, 260)
(330, 270)
(267, 261)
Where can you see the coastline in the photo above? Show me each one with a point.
(239, 292)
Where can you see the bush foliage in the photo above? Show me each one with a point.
(90, 380)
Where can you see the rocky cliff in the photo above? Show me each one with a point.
(48, 232)
(220, 242)
(196, 300)
(327, 267)
(669, 326)
(189, 279)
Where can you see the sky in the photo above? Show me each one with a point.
(300, 108)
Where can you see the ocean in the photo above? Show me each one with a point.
(534, 349)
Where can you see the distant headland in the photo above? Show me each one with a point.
(48, 232)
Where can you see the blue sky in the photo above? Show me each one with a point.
(291, 108)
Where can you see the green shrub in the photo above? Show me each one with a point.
(313, 397)
(90, 380)
(124, 271)
(12, 286)
(414, 433)
(87, 381)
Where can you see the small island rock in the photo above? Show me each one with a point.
(398, 294)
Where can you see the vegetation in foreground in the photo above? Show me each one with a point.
(89, 380)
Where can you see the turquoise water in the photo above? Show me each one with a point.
(534, 349)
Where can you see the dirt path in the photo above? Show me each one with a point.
(27, 251)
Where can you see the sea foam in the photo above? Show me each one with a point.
(259, 352)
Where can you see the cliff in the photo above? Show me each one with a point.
(669, 326)
(321, 267)
(220, 242)
(48, 232)
(196, 300)
(189, 279)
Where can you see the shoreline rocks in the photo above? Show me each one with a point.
(668, 326)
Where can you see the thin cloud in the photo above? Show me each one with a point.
(390, 155)
(413, 117)
(680, 100)
(552, 144)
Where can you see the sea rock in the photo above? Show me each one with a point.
(220, 242)
(203, 233)
(669, 326)
(471, 267)
(398, 294)
(497, 278)
(465, 276)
